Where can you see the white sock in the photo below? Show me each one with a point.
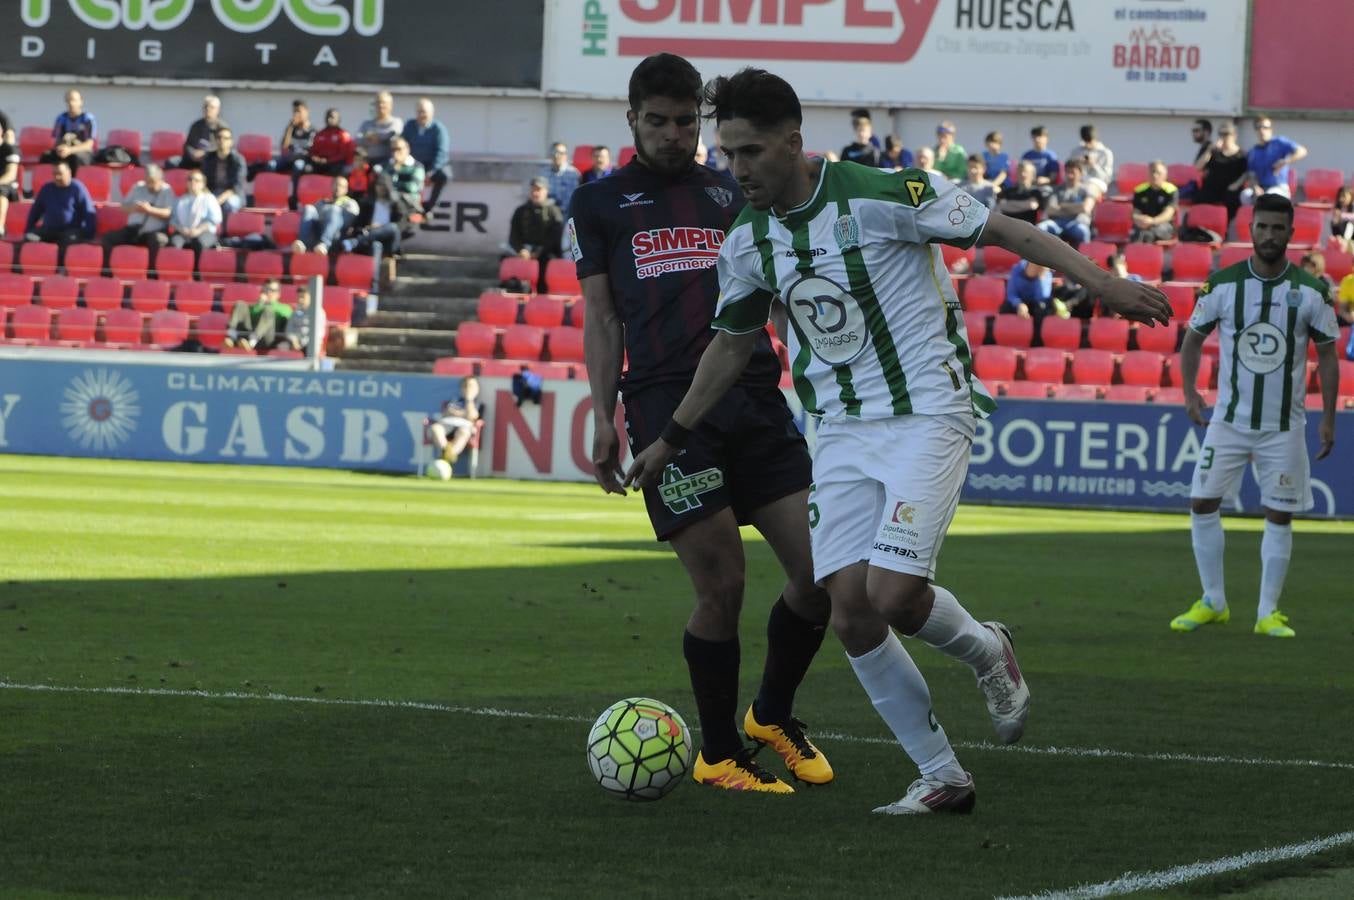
(899, 693)
(1275, 549)
(953, 631)
(1206, 531)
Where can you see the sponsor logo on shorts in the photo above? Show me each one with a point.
(663, 250)
(904, 552)
(681, 492)
(1285, 480)
(903, 512)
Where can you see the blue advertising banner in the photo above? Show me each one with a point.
(1127, 455)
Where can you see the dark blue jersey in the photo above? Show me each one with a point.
(657, 239)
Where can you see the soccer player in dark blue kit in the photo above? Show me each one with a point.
(645, 241)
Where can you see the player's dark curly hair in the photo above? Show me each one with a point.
(1274, 203)
(764, 99)
(664, 75)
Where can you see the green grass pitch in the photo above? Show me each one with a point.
(485, 624)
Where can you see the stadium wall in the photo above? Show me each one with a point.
(1030, 452)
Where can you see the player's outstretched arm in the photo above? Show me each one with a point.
(603, 352)
(1130, 299)
(1190, 351)
(721, 364)
(1328, 370)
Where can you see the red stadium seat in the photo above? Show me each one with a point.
(177, 179)
(1092, 367)
(1308, 225)
(1181, 174)
(125, 137)
(994, 363)
(576, 312)
(1242, 224)
(544, 310)
(1158, 339)
(497, 308)
(34, 140)
(1231, 254)
(168, 328)
(975, 324)
(38, 259)
(103, 293)
(131, 261)
(1098, 252)
(1173, 378)
(218, 265)
(109, 218)
(552, 371)
(286, 226)
(1108, 334)
(173, 264)
(1139, 367)
(583, 158)
(475, 339)
(1144, 260)
(261, 265)
(150, 296)
(238, 293)
(1346, 378)
(1212, 216)
(312, 189)
(627, 153)
(453, 366)
(1129, 176)
(1029, 390)
(1128, 393)
(504, 368)
(561, 277)
(245, 223)
(1045, 364)
(1112, 221)
(128, 178)
(1169, 396)
(193, 297)
(523, 342)
(305, 266)
(338, 304)
(1321, 185)
(515, 267)
(31, 323)
(1181, 297)
(566, 344)
(15, 290)
(211, 329)
(98, 180)
(84, 260)
(955, 256)
(1076, 391)
(984, 294)
(7, 252)
(76, 325)
(998, 260)
(272, 190)
(1338, 263)
(16, 220)
(355, 271)
(122, 326)
(1065, 334)
(1012, 331)
(40, 175)
(166, 144)
(257, 149)
(58, 291)
(1191, 262)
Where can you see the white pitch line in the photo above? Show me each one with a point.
(497, 713)
(1130, 882)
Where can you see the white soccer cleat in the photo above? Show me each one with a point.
(930, 795)
(1008, 696)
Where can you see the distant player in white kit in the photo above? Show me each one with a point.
(1266, 310)
(879, 352)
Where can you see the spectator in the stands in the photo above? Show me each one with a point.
(601, 164)
(560, 176)
(300, 329)
(1118, 267)
(430, 144)
(1067, 211)
(63, 212)
(454, 425)
(258, 325)
(1045, 160)
(196, 218)
(297, 138)
(377, 134)
(1025, 198)
(1097, 161)
(1155, 202)
(378, 223)
(201, 140)
(926, 159)
(9, 170)
(996, 160)
(1268, 161)
(1314, 264)
(951, 158)
(1223, 164)
(976, 185)
(1029, 291)
(1344, 308)
(73, 135)
(1341, 220)
(149, 204)
(407, 177)
(865, 148)
(325, 223)
(226, 170)
(331, 153)
(537, 227)
(1201, 132)
(896, 156)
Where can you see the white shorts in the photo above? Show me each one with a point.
(1282, 468)
(885, 490)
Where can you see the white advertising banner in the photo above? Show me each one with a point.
(1123, 55)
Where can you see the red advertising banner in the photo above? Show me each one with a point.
(1300, 55)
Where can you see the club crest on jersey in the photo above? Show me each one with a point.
(721, 195)
(846, 232)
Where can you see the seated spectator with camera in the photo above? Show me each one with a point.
(454, 425)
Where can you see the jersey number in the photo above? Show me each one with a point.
(1206, 462)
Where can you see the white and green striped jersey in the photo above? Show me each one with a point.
(876, 329)
(1263, 328)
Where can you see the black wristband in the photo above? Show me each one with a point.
(675, 435)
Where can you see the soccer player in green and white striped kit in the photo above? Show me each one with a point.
(1266, 310)
(881, 356)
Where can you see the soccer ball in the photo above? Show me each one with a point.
(441, 469)
(637, 749)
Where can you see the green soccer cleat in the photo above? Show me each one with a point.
(1200, 614)
(1274, 625)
